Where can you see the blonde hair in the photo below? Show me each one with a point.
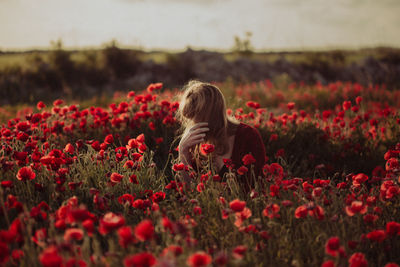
(204, 102)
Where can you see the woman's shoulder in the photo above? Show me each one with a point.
(246, 129)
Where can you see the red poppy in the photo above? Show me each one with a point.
(73, 234)
(236, 205)
(89, 226)
(116, 177)
(356, 207)
(143, 259)
(50, 257)
(109, 139)
(252, 104)
(377, 235)
(200, 187)
(206, 149)
(154, 86)
(248, 159)
(158, 197)
(126, 198)
(239, 251)
(290, 105)
(392, 228)
(125, 236)
(26, 174)
(179, 167)
(301, 212)
(359, 179)
(358, 260)
(144, 230)
(69, 148)
(110, 222)
(40, 105)
(138, 204)
(346, 105)
(332, 246)
(271, 211)
(197, 210)
(242, 216)
(328, 263)
(242, 170)
(172, 249)
(199, 259)
(6, 184)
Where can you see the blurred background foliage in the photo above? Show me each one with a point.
(27, 77)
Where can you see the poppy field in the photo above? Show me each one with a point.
(101, 186)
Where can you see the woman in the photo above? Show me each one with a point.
(202, 112)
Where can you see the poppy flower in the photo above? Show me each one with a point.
(138, 204)
(144, 230)
(356, 207)
(242, 216)
(17, 255)
(206, 149)
(199, 259)
(172, 249)
(125, 236)
(301, 212)
(109, 222)
(252, 104)
(236, 205)
(178, 167)
(89, 226)
(73, 234)
(377, 235)
(239, 251)
(359, 179)
(126, 198)
(392, 228)
(200, 187)
(116, 177)
(6, 184)
(290, 105)
(143, 259)
(271, 211)
(50, 257)
(346, 105)
(109, 139)
(158, 197)
(332, 246)
(40, 105)
(26, 174)
(248, 159)
(242, 170)
(328, 263)
(358, 260)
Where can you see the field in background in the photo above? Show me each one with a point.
(79, 75)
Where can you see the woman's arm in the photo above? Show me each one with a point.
(193, 136)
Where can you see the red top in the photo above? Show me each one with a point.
(247, 141)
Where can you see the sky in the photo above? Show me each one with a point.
(201, 24)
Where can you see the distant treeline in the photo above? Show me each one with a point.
(57, 74)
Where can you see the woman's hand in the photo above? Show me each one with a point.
(194, 136)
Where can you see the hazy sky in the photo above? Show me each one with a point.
(176, 24)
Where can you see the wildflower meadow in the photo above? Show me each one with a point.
(101, 185)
